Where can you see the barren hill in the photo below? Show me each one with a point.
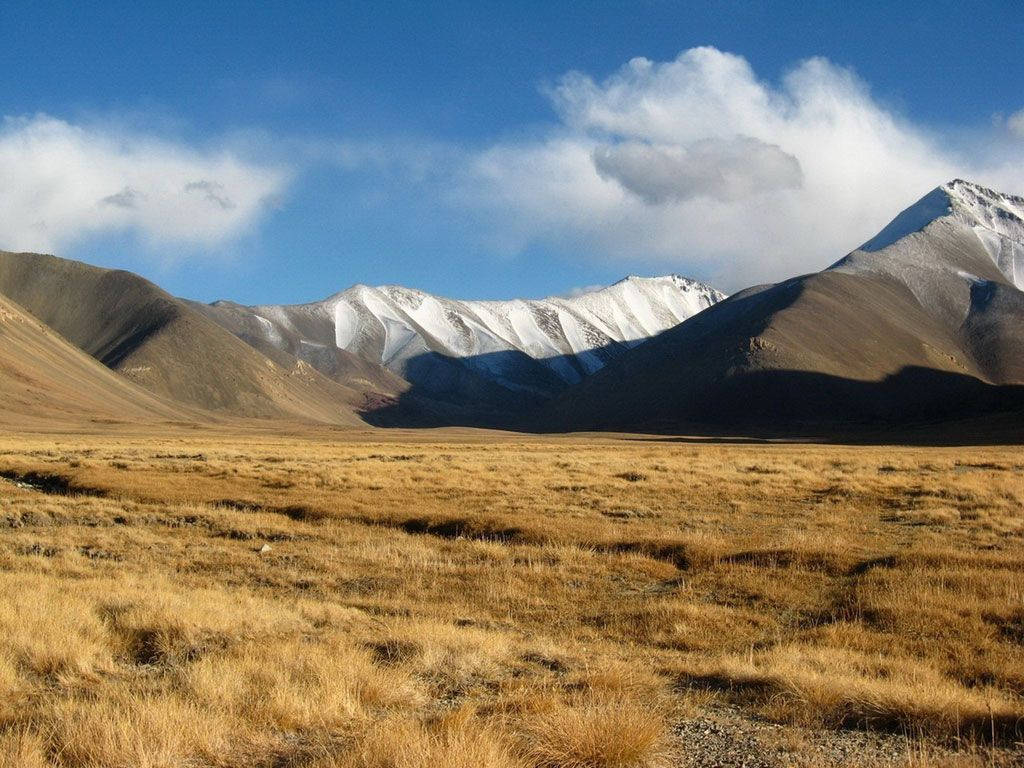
(159, 343)
(44, 380)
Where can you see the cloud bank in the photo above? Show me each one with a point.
(61, 183)
(698, 165)
(694, 165)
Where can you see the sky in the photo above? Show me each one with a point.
(280, 152)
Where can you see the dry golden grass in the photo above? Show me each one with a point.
(473, 599)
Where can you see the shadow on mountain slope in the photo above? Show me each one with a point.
(915, 404)
(473, 392)
(785, 361)
(156, 341)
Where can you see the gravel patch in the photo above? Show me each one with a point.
(725, 737)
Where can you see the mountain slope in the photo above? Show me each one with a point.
(339, 365)
(918, 324)
(45, 380)
(158, 342)
(498, 355)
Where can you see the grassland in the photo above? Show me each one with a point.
(396, 600)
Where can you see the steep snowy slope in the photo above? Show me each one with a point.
(476, 350)
(925, 321)
(996, 219)
(960, 251)
(943, 246)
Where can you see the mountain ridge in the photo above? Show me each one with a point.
(509, 354)
(923, 321)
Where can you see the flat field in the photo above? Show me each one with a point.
(406, 599)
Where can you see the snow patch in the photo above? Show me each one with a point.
(346, 322)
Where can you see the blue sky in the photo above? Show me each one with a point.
(278, 152)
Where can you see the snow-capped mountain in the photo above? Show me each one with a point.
(455, 348)
(923, 321)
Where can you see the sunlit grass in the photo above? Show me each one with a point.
(435, 599)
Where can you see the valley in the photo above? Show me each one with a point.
(780, 528)
(511, 385)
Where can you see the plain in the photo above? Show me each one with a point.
(342, 598)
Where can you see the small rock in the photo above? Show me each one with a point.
(264, 549)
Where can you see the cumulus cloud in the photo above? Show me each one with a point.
(699, 165)
(63, 182)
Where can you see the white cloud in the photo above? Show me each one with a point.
(582, 290)
(697, 165)
(63, 182)
(1015, 123)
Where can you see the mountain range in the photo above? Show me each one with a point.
(468, 361)
(923, 324)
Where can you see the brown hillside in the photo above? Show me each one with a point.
(44, 380)
(157, 341)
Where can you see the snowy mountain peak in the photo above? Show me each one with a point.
(957, 239)
(971, 204)
(672, 279)
(982, 207)
(989, 218)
